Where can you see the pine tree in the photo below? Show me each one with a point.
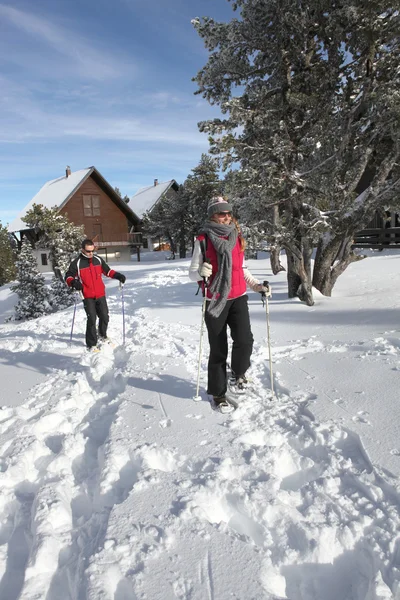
(126, 198)
(7, 257)
(34, 298)
(167, 220)
(63, 239)
(311, 104)
(200, 186)
(180, 218)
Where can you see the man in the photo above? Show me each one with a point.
(85, 275)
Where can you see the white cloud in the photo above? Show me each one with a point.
(24, 118)
(81, 57)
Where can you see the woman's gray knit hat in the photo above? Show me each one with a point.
(218, 204)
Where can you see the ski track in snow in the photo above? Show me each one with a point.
(104, 495)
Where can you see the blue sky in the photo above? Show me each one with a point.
(99, 82)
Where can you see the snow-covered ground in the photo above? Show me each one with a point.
(115, 485)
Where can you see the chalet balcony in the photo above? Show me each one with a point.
(378, 238)
(118, 239)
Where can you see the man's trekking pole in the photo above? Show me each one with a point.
(73, 321)
(264, 298)
(121, 287)
(197, 397)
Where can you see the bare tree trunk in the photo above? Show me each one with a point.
(182, 245)
(299, 274)
(293, 278)
(276, 265)
(171, 245)
(275, 249)
(332, 259)
(305, 290)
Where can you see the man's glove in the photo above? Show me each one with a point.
(77, 285)
(264, 289)
(119, 276)
(205, 270)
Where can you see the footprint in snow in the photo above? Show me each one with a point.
(361, 417)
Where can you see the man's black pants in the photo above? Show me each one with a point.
(236, 315)
(95, 307)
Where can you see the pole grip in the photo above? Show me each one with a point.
(205, 279)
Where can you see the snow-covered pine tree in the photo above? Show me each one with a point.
(160, 222)
(34, 298)
(258, 218)
(169, 220)
(63, 239)
(180, 219)
(7, 257)
(201, 185)
(310, 96)
(126, 198)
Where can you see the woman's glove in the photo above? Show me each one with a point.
(263, 289)
(205, 270)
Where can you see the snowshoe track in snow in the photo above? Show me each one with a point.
(116, 486)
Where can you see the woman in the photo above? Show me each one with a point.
(218, 260)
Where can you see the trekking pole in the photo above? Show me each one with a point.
(73, 321)
(264, 298)
(197, 397)
(73, 317)
(121, 287)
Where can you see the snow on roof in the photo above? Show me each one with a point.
(147, 197)
(53, 193)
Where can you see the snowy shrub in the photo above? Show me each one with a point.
(34, 298)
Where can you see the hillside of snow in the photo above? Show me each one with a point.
(116, 485)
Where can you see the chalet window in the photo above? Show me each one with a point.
(44, 259)
(91, 205)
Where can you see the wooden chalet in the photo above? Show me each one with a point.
(87, 199)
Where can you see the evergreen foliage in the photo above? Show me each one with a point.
(63, 239)
(179, 218)
(311, 103)
(169, 219)
(126, 198)
(201, 185)
(7, 257)
(34, 298)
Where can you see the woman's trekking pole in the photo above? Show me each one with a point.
(121, 287)
(197, 397)
(264, 298)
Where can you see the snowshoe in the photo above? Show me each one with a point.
(105, 341)
(92, 349)
(238, 386)
(221, 404)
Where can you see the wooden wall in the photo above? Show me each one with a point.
(111, 220)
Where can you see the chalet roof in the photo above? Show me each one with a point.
(147, 197)
(58, 191)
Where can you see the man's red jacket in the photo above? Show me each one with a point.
(90, 272)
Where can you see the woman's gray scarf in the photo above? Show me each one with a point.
(222, 281)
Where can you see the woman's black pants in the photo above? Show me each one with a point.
(95, 307)
(236, 315)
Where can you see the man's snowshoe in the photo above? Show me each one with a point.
(92, 349)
